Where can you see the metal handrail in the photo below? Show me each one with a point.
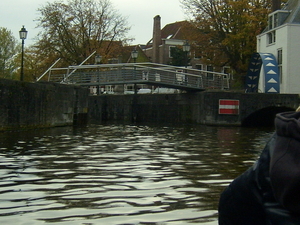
(69, 74)
(50, 68)
(143, 73)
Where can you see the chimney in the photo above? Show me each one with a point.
(276, 5)
(156, 39)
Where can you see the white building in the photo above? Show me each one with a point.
(282, 40)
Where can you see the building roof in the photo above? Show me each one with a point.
(176, 30)
(289, 14)
(173, 30)
(292, 6)
(126, 54)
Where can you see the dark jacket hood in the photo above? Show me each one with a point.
(285, 161)
(287, 124)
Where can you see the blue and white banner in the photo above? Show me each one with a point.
(271, 73)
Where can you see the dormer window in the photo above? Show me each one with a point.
(270, 22)
(273, 21)
(170, 36)
(277, 18)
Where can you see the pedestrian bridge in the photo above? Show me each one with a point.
(158, 75)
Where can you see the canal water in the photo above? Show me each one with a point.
(121, 174)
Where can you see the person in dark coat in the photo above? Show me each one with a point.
(268, 193)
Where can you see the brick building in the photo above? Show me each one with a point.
(158, 49)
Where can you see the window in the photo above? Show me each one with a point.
(198, 66)
(279, 59)
(275, 20)
(273, 23)
(210, 76)
(279, 56)
(271, 37)
(170, 52)
(197, 54)
(270, 22)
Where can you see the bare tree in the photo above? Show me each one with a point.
(74, 30)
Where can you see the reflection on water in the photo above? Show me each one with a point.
(121, 174)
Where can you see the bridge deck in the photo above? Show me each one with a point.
(146, 82)
(140, 73)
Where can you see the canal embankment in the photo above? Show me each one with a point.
(44, 104)
(36, 105)
(207, 107)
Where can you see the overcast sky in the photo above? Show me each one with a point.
(140, 13)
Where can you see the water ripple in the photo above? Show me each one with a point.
(120, 174)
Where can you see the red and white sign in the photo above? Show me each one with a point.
(229, 106)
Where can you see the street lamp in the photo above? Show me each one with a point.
(23, 36)
(186, 48)
(134, 55)
(98, 61)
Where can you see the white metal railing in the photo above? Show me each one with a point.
(151, 73)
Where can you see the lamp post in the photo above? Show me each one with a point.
(98, 61)
(23, 36)
(186, 48)
(134, 55)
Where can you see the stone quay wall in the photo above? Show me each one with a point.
(36, 105)
(197, 108)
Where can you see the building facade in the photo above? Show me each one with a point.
(159, 47)
(175, 35)
(281, 39)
